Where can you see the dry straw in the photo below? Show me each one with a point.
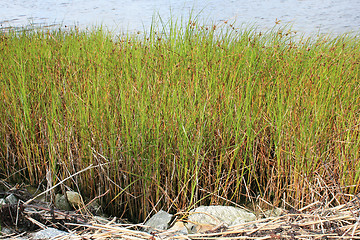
(315, 221)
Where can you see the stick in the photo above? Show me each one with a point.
(48, 190)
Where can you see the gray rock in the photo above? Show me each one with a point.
(2, 202)
(61, 202)
(74, 199)
(160, 221)
(11, 199)
(7, 231)
(217, 215)
(48, 234)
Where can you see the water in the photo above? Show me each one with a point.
(307, 16)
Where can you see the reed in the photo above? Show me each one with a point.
(183, 115)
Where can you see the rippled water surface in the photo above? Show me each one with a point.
(308, 16)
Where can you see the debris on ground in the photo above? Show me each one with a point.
(40, 220)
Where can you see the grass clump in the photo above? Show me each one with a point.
(185, 115)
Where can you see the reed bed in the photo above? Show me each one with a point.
(182, 115)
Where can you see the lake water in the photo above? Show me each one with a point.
(307, 16)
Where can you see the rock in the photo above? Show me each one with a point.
(160, 221)
(74, 199)
(276, 212)
(7, 231)
(34, 191)
(61, 202)
(48, 233)
(205, 218)
(2, 202)
(178, 228)
(11, 199)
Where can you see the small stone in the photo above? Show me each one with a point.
(48, 233)
(61, 202)
(74, 198)
(178, 228)
(34, 191)
(160, 221)
(276, 212)
(7, 231)
(2, 202)
(11, 199)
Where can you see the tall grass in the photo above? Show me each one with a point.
(184, 115)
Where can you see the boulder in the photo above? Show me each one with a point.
(205, 218)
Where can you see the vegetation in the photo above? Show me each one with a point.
(186, 114)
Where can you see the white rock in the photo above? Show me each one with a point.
(160, 221)
(217, 215)
(48, 233)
